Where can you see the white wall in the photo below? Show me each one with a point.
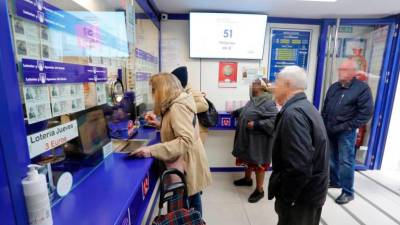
(203, 74)
(175, 40)
(391, 157)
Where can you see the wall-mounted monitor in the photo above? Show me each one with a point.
(227, 35)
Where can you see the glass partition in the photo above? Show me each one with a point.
(82, 65)
(366, 44)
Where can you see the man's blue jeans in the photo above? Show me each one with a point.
(342, 162)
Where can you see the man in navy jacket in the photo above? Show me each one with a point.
(348, 106)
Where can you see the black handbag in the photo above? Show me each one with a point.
(208, 118)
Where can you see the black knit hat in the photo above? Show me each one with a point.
(182, 75)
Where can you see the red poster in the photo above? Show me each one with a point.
(227, 76)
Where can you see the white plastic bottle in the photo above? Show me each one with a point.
(37, 197)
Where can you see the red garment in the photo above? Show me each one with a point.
(252, 166)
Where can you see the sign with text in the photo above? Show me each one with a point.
(140, 54)
(288, 48)
(89, 35)
(49, 72)
(48, 139)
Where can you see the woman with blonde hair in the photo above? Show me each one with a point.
(181, 146)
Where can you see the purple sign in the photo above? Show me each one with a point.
(146, 56)
(41, 12)
(48, 72)
(140, 53)
(141, 76)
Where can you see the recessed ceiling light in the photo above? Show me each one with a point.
(318, 0)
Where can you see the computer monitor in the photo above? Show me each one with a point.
(92, 127)
(141, 109)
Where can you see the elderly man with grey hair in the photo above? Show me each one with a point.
(300, 158)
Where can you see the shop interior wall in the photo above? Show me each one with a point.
(147, 36)
(203, 75)
(391, 156)
(148, 40)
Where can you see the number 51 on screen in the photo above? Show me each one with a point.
(228, 33)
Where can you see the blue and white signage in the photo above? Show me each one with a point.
(142, 76)
(140, 54)
(41, 12)
(89, 35)
(49, 72)
(288, 47)
(43, 141)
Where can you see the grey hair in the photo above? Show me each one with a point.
(296, 76)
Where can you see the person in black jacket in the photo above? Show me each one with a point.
(300, 158)
(348, 106)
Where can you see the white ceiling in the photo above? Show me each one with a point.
(288, 8)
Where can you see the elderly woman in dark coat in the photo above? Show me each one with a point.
(253, 137)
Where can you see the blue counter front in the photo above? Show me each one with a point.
(115, 186)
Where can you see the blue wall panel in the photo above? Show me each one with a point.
(6, 209)
(13, 144)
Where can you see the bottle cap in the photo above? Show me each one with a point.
(33, 171)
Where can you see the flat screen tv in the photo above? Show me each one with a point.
(227, 35)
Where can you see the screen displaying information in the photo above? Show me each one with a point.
(228, 36)
(288, 48)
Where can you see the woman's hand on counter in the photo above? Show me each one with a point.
(143, 152)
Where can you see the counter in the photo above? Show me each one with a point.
(112, 192)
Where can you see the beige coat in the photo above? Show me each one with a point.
(180, 139)
(201, 106)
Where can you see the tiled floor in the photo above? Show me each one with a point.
(375, 203)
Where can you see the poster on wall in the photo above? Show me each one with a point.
(249, 74)
(378, 49)
(27, 40)
(101, 93)
(227, 75)
(37, 103)
(351, 47)
(288, 47)
(66, 98)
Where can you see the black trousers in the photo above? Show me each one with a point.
(297, 214)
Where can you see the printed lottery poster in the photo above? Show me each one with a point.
(66, 98)
(249, 74)
(227, 76)
(101, 93)
(27, 39)
(37, 103)
(89, 90)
